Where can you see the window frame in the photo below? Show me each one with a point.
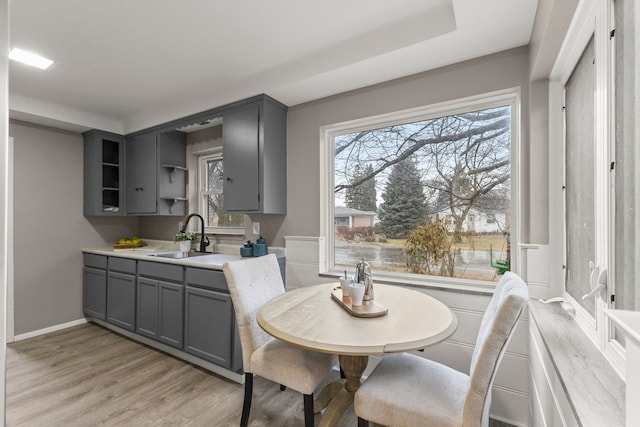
(593, 18)
(509, 96)
(202, 171)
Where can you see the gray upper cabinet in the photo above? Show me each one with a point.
(103, 173)
(156, 174)
(145, 172)
(255, 157)
(141, 174)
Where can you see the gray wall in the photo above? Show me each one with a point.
(49, 227)
(507, 69)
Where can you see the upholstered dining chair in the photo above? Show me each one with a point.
(408, 390)
(252, 282)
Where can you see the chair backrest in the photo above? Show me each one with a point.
(508, 301)
(252, 282)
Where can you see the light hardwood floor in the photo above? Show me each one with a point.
(90, 376)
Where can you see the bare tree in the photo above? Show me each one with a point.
(464, 159)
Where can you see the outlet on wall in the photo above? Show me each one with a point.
(255, 228)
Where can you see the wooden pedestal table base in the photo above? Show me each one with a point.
(337, 397)
(310, 318)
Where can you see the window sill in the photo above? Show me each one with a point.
(439, 283)
(593, 388)
(217, 231)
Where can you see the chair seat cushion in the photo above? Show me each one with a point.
(296, 368)
(410, 391)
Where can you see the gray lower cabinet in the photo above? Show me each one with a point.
(160, 303)
(95, 292)
(184, 307)
(94, 286)
(121, 300)
(147, 308)
(171, 313)
(160, 311)
(209, 325)
(121, 292)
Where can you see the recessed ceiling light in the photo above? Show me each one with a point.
(30, 58)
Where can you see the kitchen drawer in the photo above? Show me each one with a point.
(205, 278)
(123, 265)
(161, 271)
(96, 261)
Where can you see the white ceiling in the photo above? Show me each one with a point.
(124, 65)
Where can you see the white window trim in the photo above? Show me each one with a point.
(509, 96)
(203, 157)
(592, 18)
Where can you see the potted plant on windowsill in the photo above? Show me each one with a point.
(185, 240)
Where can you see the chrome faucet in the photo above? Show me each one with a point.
(204, 240)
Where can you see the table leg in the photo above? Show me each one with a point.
(353, 367)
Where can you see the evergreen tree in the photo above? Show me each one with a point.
(362, 195)
(404, 207)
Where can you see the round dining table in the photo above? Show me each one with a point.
(309, 317)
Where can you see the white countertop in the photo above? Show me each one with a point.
(211, 261)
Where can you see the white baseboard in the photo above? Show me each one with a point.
(39, 332)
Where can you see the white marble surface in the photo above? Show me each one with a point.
(309, 318)
(595, 391)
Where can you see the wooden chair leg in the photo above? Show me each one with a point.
(308, 410)
(362, 422)
(248, 393)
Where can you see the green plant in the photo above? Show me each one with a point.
(187, 235)
(429, 248)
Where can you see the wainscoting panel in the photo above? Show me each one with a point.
(305, 261)
(509, 406)
(535, 268)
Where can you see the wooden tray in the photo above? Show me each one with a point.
(367, 309)
(128, 246)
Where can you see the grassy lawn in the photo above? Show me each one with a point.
(482, 242)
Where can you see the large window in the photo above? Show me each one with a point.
(598, 80)
(427, 192)
(210, 191)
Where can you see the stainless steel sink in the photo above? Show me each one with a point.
(179, 255)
